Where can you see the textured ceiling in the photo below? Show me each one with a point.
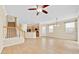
(26, 16)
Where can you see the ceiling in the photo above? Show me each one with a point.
(54, 11)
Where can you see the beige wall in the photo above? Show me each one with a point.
(59, 32)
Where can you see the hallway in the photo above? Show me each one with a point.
(43, 45)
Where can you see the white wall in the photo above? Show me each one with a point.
(60, 32)
(44, 32)
(2, 22)
(78, 29)
(24, 27)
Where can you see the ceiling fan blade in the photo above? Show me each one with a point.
(32, 9)
(44, 11)
(44, 6)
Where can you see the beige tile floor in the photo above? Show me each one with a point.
(44, 45)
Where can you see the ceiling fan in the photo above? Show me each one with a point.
(40, 9)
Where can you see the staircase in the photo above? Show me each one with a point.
(11, 26)
(11, 32)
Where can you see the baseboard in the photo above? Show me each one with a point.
(60, 38)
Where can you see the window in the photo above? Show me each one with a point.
(70, 27)
(50, 28)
